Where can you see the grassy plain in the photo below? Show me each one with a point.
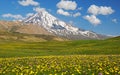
(82, 47)
(83, 57)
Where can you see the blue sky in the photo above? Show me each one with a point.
(101, 16)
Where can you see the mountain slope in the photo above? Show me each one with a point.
(60, 28)
(14, 30)
(32, 29)
(114, 38)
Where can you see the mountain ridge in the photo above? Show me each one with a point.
(61, 28)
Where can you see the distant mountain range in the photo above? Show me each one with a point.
(43, 23)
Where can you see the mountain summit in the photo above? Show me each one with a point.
(59, 27)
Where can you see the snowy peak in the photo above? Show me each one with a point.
(59, 27)
(47, 20)
(41, 18)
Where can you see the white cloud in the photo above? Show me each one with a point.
(114, 20)
(76, 14)
(93, 9)
(67, 5)
(103, 10)
(29, 14)
(106, 10)
(92, 19)
(16, 17)
(28, 2)
(62, 12)
(38, 9)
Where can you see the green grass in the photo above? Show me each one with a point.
(81, 47)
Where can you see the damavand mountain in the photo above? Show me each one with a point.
(60, 28)
(43, 23)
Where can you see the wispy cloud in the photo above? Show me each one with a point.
(38, 9)
(114, 20)
(62, 12)
(16, 17)
(71, 22)
(92, 19)
(76, 14)
(28, 2)
(29, 14)
(80, 8)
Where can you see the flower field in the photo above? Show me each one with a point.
(61, 65)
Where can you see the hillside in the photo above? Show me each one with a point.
(115, 38)
(16, 26)
(13, 30)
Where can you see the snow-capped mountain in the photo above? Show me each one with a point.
(59, 27)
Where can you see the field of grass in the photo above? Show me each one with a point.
(83, 57)
(82, 47)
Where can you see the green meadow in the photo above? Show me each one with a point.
(80, 57)
(79, 47)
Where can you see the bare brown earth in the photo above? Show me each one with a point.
(16, 26)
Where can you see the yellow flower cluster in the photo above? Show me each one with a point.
(61, 65)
